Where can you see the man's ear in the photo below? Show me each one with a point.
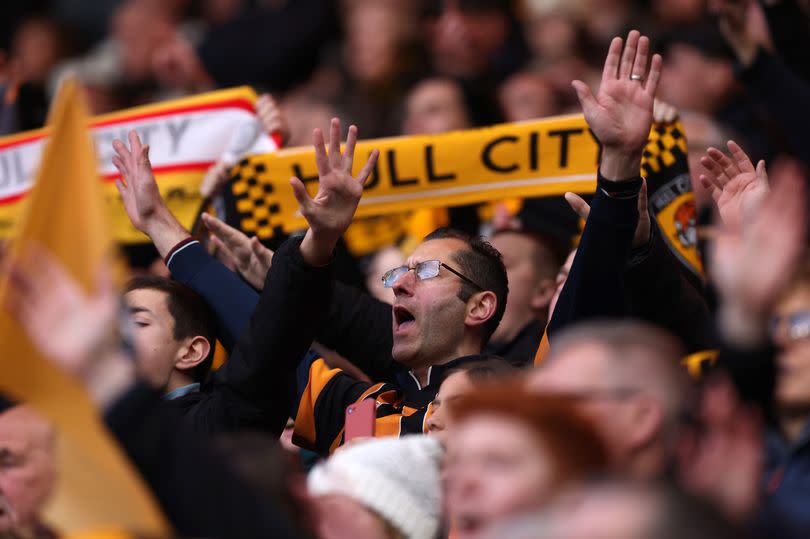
(647, 420)
(543, 292)
(481, 307)
(193, 352)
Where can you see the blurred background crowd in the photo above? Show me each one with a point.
(399, 66)
(733, 69)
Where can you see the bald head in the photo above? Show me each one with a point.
(27, 466)
(628, 376)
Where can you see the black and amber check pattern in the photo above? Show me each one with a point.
(253, 201)
(666, 147)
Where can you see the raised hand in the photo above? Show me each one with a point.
(234, 249)
(752, 262)
(737, 187)
(621, 113)
(142, 200)
(330, 212)
(137, 184)
(66, 324)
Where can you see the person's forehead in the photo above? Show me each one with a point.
(439, 249)
(583, 365)
(490, 430)
(22, 428)
(514, 244)
(439, 90)
(454, 385)
(148, 298)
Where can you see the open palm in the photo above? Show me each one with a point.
(621, 113)
(331, 210)
(737, 187)
(67, 325)
(137, 184)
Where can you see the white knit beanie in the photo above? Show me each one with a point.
(398, 478)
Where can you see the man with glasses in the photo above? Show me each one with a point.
(628, 378)
(449, 299)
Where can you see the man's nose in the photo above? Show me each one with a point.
(405, 283)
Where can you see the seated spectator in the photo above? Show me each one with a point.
(174, 332)
(473, 40)
(379, 489)
(27, 472)
(459, 382)
(435, 105)
(511, 452)
(527, 96)
(628, 379)
(531, 267)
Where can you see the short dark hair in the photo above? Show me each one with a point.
(492, 368)
(482, 264)
(191, 314)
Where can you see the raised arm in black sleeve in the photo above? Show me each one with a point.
(595, 284)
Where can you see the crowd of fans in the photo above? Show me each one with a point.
(530, 382)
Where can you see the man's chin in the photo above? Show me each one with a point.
(404, 354)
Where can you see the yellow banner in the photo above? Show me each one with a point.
(536, 158)
(186, 136)
(520, 160)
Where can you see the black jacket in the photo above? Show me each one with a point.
(198, 491)
(256, 386)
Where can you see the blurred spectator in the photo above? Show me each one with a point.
(37, 45)
(27, 471)
(277, 47)
(610, 510)
(510, 452)
(435, 105)
(463, 380)
(554, 29)
(699, 77)
(474, 39)
(527, 95)
(531, 267)
(669, 13)
(379, 489)
(306, 112)
(276, 475)
(627, 378)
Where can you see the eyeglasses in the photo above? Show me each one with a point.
(424, 270)
(798, 325)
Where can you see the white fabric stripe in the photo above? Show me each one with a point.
(476, 187)
(169, 263)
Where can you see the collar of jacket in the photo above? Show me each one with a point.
(408, 380)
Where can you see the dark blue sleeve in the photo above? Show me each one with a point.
(595, 284)
(231, 299)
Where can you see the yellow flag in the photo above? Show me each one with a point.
(66, 214)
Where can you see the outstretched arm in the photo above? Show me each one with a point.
(145, 207)
(294, 302)
(620, 116)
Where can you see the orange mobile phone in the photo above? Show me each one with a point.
(360, 419)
